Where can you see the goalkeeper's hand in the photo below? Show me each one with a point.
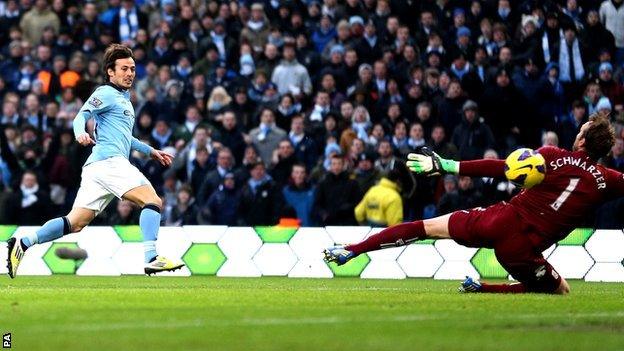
(429, 163)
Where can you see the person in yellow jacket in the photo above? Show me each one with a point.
(382, 205)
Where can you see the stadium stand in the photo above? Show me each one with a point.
(243, 92)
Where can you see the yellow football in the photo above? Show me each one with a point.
(525, 168)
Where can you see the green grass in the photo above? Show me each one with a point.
(208, 313)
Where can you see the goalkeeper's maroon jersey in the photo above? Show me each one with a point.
(573, 188)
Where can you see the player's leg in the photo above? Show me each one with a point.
(145, 196)
(53, 229)
(473, 228)
(548, 285)
(403, 234)
(397, 235)
(534, 274)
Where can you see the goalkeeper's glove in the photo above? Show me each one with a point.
(429, 163)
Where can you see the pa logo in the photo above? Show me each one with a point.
(6, 341)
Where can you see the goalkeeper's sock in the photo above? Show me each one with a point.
(398, 235)
(51, 230)
(149, 221)
(516, 288)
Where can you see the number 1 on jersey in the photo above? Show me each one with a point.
(565, 194)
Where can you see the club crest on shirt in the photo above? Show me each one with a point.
(127, 113)
(95, 102)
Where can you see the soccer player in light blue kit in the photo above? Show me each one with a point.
(107, 173)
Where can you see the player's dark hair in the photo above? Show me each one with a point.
(113, 53)
(599, 136)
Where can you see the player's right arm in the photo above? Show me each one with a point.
(94, 105)
(429, 163)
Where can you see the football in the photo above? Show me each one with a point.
(525, 168)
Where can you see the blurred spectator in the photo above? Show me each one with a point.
(222, 207)
(290, 75)
(425, 118)
(415, 140)
(261, 201)
(306, 150)
(37, 19)
(615, 159)
(231, 136)
(218, 102)
(225, 164)
(550, 97)
(609, 87)
(592, 97)
(29, 204)
(69, 106)
(450, 107)
(161, 135)
(611, 15)
(382, 205)
(256, 30)
(495, 189)
(127, 22)
(597, 37)
(286, 109)
(184, 212)
(503, 109)
(386, 160)
(337, 195)
(267, 136)
(438, 144)
(550, 138)
(183, 163)
(282, 162)
(472, 136)
(366, 175)
(300, 194)
(462, 197)
(125, 214)
(569, 126)
(184, 131)
(201, 168)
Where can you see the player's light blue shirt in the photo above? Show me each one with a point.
(113, 112)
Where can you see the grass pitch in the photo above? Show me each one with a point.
(208, 313)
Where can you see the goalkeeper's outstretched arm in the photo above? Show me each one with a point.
(429, 163)
(482, 168)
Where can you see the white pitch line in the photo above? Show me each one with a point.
(199, 323)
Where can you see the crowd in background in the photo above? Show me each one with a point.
(294, 109)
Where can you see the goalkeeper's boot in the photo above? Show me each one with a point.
(162, 264)
(338, 254)
(469, 286)
(14, 256)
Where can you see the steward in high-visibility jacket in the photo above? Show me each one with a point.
(381, 206)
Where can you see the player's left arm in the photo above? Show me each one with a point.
(141, 147)
(163, 157)
(430, 163)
